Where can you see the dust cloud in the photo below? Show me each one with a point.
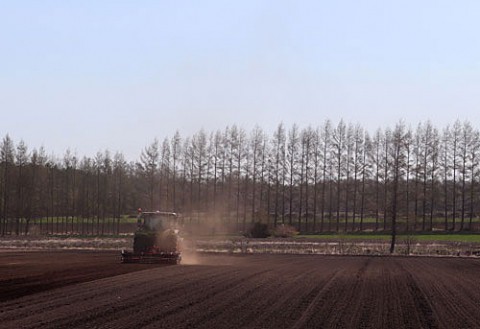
(205, 225)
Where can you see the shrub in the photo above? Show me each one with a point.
(259, 230)
(409, 241)
(284, 231)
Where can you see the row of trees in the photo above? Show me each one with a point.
(327, 178)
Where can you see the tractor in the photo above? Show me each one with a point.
(156, 239)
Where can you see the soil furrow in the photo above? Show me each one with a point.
(91, 290)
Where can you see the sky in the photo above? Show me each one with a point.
(96, 75)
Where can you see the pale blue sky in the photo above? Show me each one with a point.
(92, 75)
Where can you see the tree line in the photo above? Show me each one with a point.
(329, 178)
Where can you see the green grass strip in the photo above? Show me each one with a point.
(473, 238)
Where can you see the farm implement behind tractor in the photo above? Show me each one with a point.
(156, 239)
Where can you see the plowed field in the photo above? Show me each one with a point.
(91, 290)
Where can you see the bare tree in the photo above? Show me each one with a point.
(464, 154)
(42, 183)
(84, 203)
(119, 173)
(149, 161)
(223, 167)
(21, 157)
(176, 147)
(246, 169)
(264, 169)
(292, 149)
(7, 152)
(366, 173)
(307, 141)
(349, 163)
(327, 168)
(190, 157)
(256, 146)
(232, 139)
(338, 151)
(316, 153)
(186, 164)
(199, 149)
(386, 145)
(417, 152)
(434, 160)
(408, 150)
(209, 163)
(70, 167)
(279, 150)
(164, 176)
(358, 164)
(239, 156)
(445, 168)
(397, 158)
(474, 163)
(427, 137)
(455, 139)
(377, 164)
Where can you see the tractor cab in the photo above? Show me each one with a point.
(156, 220)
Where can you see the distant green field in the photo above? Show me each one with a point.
(401, 220)
(386, 237)
(123, 219)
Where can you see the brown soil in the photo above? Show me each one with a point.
(92, 290)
